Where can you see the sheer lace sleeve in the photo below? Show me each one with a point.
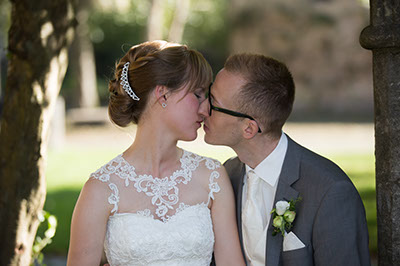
(116, 166)
(213, 185)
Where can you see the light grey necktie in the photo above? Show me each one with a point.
(251, 216)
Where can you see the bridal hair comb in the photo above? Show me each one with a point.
(125, 82)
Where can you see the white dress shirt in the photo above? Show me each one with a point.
(268, 171)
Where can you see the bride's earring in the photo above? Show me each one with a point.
(164, 104)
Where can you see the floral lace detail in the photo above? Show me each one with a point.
(164, 192)
(113, 199)
(116, 166)
(213, 185)
(212, 164)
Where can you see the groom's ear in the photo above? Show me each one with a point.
(249, 129)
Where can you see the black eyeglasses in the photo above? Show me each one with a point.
(226, 111)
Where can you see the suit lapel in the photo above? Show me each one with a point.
(239, 201)
(239, 204)
(289, 175)
(236, 172)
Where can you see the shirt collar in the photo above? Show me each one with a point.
(270, 168)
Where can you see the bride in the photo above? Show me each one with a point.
(156, 204)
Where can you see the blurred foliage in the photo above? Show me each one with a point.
(5, 15)
(365, 2)
(47, 228)
(207, 30)
(117, 25)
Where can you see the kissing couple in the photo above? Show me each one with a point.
(276, 203)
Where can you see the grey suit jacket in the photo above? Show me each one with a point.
(330, 218)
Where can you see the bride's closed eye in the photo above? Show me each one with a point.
(200, 95)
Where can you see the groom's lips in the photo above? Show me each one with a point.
(205, 128)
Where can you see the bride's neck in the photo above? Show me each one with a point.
(154, 150)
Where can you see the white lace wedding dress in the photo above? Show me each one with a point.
(160, 221)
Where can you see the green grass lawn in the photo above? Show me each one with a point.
(69, 168)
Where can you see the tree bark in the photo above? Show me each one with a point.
(382, 36)
(39, 36)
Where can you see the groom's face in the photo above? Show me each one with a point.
(221, 128)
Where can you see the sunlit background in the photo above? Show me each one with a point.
(317, 39)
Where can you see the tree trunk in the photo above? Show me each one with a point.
(382, 36)
(39, 36)
(83, 60)
(182, 9)
(155, 21)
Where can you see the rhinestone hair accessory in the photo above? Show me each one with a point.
(125, 82)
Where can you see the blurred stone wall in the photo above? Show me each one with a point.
(318, 40)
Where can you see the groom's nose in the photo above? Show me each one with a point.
(204, 109)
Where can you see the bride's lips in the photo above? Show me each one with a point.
(199, 123)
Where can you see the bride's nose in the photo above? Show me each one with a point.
(204, 109)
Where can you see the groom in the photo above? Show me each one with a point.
(247, 106)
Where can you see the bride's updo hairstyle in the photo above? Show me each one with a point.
(150, 64)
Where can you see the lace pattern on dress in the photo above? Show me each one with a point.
(164, 192)
(213, 186)
(113, 199)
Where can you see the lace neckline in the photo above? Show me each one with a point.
(164, 192)
(132, 167)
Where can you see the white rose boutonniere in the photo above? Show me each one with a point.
(281, 206)
(284, 214)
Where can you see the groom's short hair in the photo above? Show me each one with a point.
(268, 92)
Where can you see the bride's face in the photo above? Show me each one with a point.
(182, 115)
